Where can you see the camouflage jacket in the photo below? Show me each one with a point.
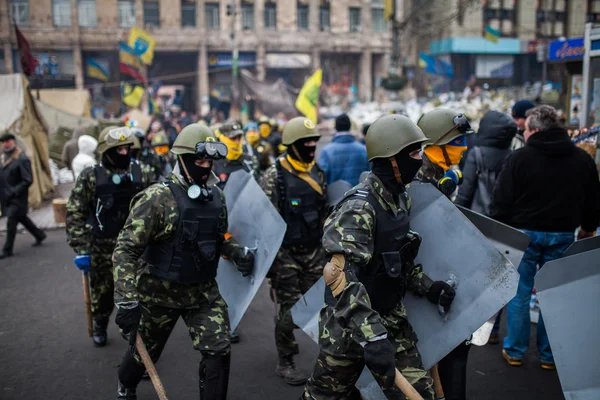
(154, 217)
(81, 201)
(354, 219)
(429, 172)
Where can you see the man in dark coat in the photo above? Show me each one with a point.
(16, 179)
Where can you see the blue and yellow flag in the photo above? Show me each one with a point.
(131, 94)
(96, 70)
(491, 34)
(143, 44)
(308, 99)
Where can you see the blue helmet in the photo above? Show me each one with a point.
(251, 126)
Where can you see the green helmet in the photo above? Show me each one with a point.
(189, 137)
(231, 129)
(441, 126)
(159, 139)
(137, 145)
(299, 128)
(390, 134)
(114, 136)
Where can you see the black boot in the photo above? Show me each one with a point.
(130, 374)
(6, 254)
(99, 335)
(286, 368)
(124, 393)
(214, 376)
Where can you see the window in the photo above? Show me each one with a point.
(302, 17)
(271, 16)
(188, 14)
(211, 14)
(378, 23)
(19, 11)
(61, 12)
(551, 18)
(324, 18)
(86, 11)
(354, 19)
(151, 14)
(126, 13)
(248, 16)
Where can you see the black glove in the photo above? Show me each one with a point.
(441, 293)
(128, 318)
(244, 261)
(380, 358)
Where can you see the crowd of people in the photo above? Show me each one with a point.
(148, 223)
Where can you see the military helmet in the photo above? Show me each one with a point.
(189, 137)
(231, 129)
(137, 145)
(441, 126)
(299, 128)
(114, 136)
(391, 134)
(264, 120)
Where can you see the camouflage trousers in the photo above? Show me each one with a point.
(341, 361)
(101, 280)
(292, 274)
(207, 323)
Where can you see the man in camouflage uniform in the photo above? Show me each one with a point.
(262, 149)
(446, 132)
(96, 211)
(372, 252)
(142, 152)
(166, 262)
(231, 134)
(296, 187)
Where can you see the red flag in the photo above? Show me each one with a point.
(28, 61)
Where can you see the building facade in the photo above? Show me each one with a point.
(276, 39)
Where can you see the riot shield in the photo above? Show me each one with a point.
(255, 223)
(583, 245)
(567, 289)
(453, 247)
(336, 191)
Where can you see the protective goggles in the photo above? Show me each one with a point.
(458, 141)
(118, 135)
(461, 123)
(211, 150)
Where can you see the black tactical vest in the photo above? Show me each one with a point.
(224, 168)
(384, 277)
(110, 207)
(192, 255)
(302, 209)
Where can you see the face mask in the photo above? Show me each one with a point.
(436, 155)
(234, 148)
(407, 166)
(198, 174)
(113, 159)
(265, 130)
(298, 151)
(252, 137)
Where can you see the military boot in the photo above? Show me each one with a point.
(214, 376)
(124, 393)
(99, 335)
(286, 368)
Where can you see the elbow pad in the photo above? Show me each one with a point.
(334, 275)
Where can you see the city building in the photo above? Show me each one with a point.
(276, 38)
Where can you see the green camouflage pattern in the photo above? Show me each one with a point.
(154, 217)
(350, 230)
(153, 161)
(429, 172)
(81, 240)
(294, 271)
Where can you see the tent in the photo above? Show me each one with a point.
(77, 102)
(18, 115)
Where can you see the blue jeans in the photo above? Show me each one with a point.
(544, 247)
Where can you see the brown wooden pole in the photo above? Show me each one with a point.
(141, 348)
(437, 383)
(409, 391)
(88, 303)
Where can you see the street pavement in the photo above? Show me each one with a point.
(45, 352)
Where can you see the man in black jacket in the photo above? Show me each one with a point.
(547, 189)
(16, 177)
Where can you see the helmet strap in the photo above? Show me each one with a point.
(296, 152)
(190, 179)
(446, 156)
(396, 170)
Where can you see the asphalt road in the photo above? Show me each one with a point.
(45, 352)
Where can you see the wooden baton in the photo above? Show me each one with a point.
(141, 348)
(437, 383)
(409, 391)
(88, 303)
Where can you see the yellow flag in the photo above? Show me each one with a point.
(143, 44)
(308, 99)
(131, 94)
(388, 9)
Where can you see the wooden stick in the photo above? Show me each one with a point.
(437, 383)
(88, 303)
(409, 391)
(141, 348)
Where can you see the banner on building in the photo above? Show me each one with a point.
(96, 70)
(143, 44)
(308, 99)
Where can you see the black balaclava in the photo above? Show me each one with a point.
(113, 159)
(198, 174)
(302, 153)
(407, 166)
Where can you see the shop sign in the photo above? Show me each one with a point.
(288, 60)
(225, 60)
(571, 49)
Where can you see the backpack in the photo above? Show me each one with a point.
(486, 179)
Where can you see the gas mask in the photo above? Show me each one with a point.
(402, 164)
(299, 152)
(197, 176)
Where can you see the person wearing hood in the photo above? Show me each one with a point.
(546, 189)
(16, 177)
(71, 148)
(96, 212)
(85, 158)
